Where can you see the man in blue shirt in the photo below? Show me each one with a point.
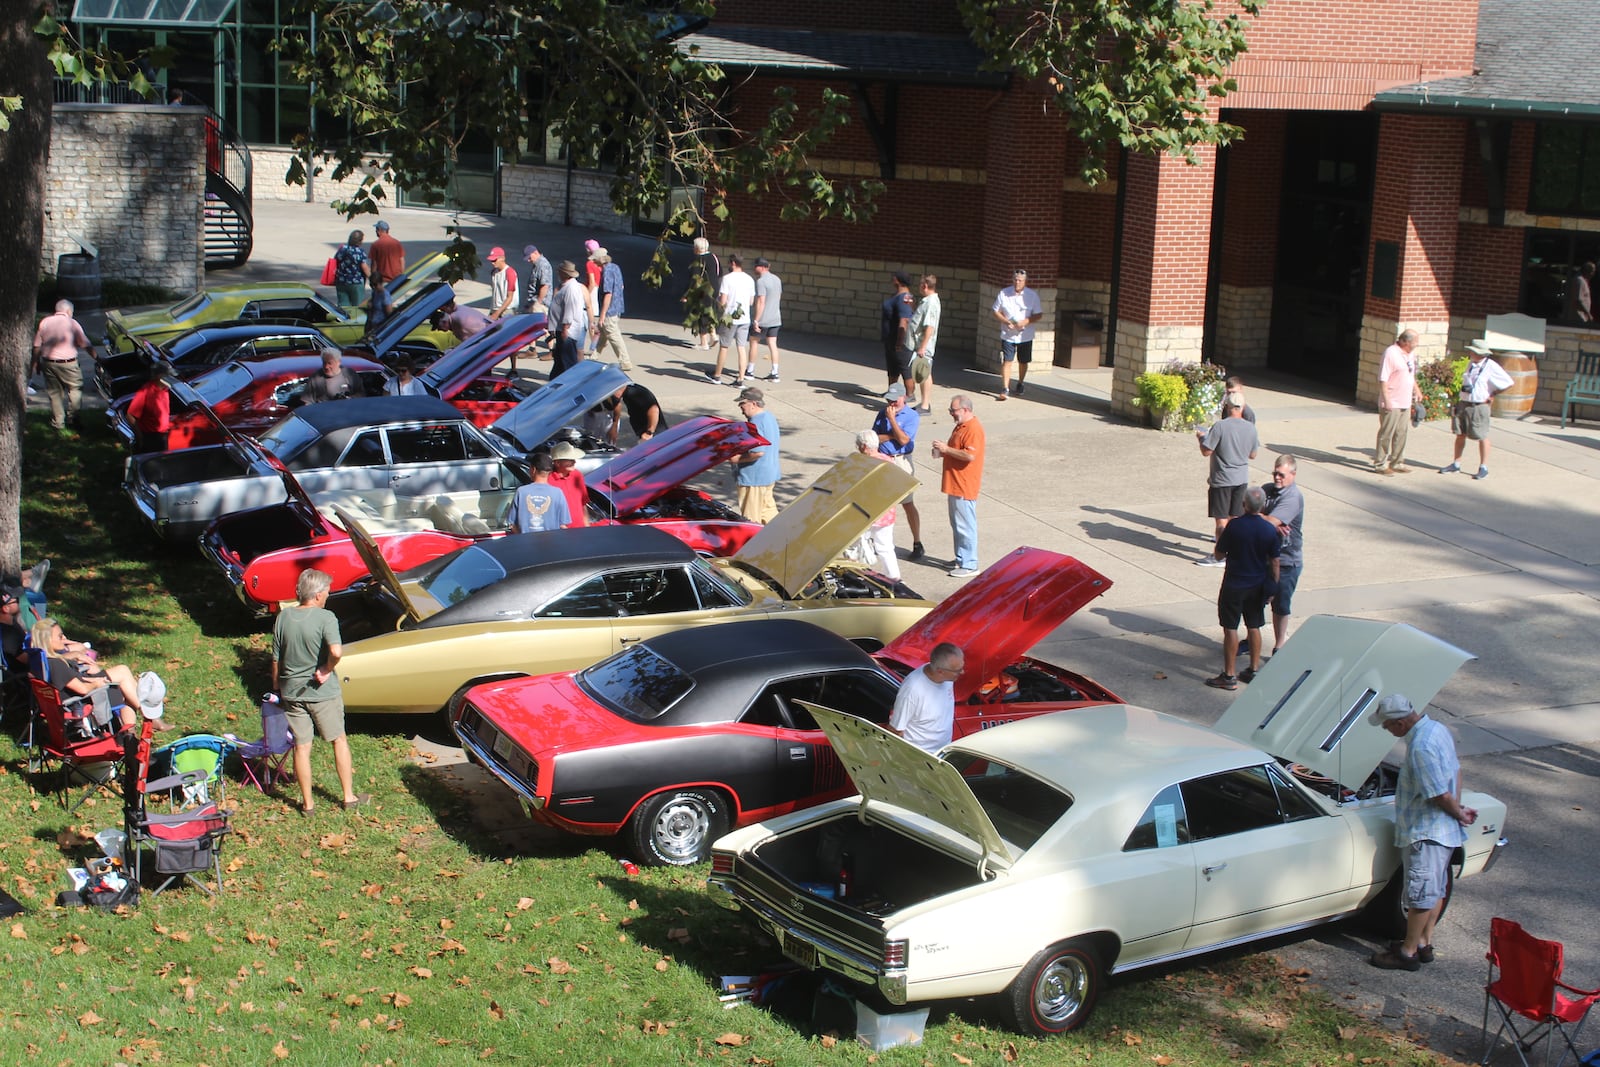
(896, 427)
(1429, 824)
(611, 308)
(538, 505)
(759, 469)
(1250, 546)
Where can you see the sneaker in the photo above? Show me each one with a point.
(916, 552)
(713, 379)
(1483, 472)
(1452, 469)
(963, 572)
(1424, 952)
(1020, 389)
(749, 375)
(1394, 960)
(773, 377)
(36, 577)
(1247, 676)
(1001, 395)
(1210, 561)
(1223, 681)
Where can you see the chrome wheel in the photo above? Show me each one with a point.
(677, 829)
(1060, 990)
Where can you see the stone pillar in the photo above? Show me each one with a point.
(1022, 218)
(1415, 221)
(1166, 244)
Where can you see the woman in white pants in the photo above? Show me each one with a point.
(880, 538)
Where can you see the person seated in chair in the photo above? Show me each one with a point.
(13, 638)
(70, 667)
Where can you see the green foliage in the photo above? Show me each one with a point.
(1207, 383)
(405, 77)
(1139, 74)
(1159, 391)
(1440, 382)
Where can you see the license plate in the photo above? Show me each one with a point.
(503, 746)
(802, 952)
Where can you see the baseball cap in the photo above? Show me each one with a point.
(761, 261)
(152, 693)
(1394, 706)
(895, 392)
(528, 250)
(381, 226)
(497, 252)
(903, 278)
(752, 394)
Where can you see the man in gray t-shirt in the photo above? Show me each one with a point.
(766, 316)
(1231, 444)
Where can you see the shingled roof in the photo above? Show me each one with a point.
(1532, 58)
(801, 53)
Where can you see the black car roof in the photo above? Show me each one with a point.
(541, 565)
(368, 410)
(244, 329)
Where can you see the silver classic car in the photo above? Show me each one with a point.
(1032, 860)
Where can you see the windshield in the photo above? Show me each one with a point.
(469, 571)
(184, 308)
(291, 436)
(221, 383)
(637, 683)
(1021, 807)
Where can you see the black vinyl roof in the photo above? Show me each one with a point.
(373, 410)
(769, 647)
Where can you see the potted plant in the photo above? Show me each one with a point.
(1206, 382)
(1440, 382)
(1161, 396)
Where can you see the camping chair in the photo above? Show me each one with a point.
(1528, 985)
(264, 759)
(188, 842)
(78, 733)
(194, 752)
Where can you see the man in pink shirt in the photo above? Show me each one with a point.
(1397, 391)
(55, 354)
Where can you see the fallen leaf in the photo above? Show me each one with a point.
(496, 1011)
(965, 1061)
(89, 1018)
(828, 1041)
(731, 1039)
(663, 966)
(1161, 1061)
(18, 932)
(559, 965)
(1132, 1039)
(421, 972)
(524, 903)
(1348, 1033)
(281, 1051)
(1008, 1052)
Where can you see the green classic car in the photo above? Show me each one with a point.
(294, 301)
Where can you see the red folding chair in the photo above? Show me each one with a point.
(87, 749)
(1527, 987)
(187, 843)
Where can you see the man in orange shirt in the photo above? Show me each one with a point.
(963, 475)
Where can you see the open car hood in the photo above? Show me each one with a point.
(889, 770)
(1000, 614)
(641, 476)
(554, 405)
(415, 276)
(1310, 704)
(372, 556)
(479, 354)
(834, 510)
(404, 318)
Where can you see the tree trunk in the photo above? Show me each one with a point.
(24, 154)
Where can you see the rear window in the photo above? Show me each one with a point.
(289, 437)
(185, 308)
(1021, 807)
(637, 683)
(219, 384)
(471, 570)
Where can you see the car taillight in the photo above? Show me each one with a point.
(721, 863)
(894, 954)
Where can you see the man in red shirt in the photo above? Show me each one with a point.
(388, 255)
(963, 457)
(569, 479)
(150, 411)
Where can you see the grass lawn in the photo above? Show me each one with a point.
(408, 933)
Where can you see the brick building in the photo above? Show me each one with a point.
(1406, 164)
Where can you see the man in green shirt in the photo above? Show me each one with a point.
(306, 648)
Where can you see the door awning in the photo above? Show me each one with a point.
(147, 14)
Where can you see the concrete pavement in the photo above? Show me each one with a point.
(1505, 568)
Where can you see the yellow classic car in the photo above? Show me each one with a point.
(564, 599)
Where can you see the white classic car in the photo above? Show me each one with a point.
(1033, 859)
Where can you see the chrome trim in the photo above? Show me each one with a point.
(830, 954)
(490, 763)
(1231, 943)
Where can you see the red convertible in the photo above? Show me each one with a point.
(250, 397)
(263, 550)
(683, 736)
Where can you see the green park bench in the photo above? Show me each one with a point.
(1584, 388)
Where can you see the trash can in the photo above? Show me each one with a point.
(1084, 352)
(78, 280)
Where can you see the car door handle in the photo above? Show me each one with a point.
(626, 640)
(1213, 869)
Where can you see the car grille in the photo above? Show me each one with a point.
(500, 754)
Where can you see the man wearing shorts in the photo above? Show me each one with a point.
(1249, 547)
(306, 648)
(1017, 309)
(922, 337)
(1429, 824)
(1470, 417)
(893, 316)
(766, 319)
(736, 295)
(1230, 444)
(1285, 509)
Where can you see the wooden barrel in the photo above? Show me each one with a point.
(78, 280)
(1517, 401)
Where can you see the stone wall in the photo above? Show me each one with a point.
(539, 194)
(1434, 341)
(131, 181)
(1556, 366)
(269, 163)
(1244, 323)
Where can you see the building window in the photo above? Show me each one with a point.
(1566, 170)
(1550, 264)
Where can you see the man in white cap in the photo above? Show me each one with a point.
(1429, 822)
(1470, 417)
(569, 479)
